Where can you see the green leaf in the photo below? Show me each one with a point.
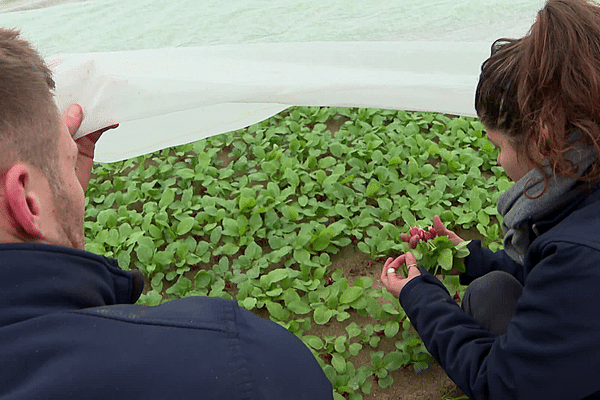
(340, 344)
(373, 307)
(337, 396)
(253, 251)
(427, 170)
(313, 341)
(274, 293)
(386, 381)
(391, 329)
(299, 307)
(275, 276)
(164, 257)
(353, 329)
(377, 359)
(246, 203)
(152, 298)
(203, 279)
(355, 348)
(302, 256)
(420, 366)
(362, 246)
(342, 316)
(228, 249)
(107, 218)
(167, 198)
(185, 173)
(372, 188)
(321, 242)
(339, 363)
(292, 177)
(249, 303)
(276, 310)
(322, 315)
(292, 213)
(97, 248)
(395, 360)
(408, 217)
(144, 253)
(461, 249)
(351, 294)
(181, 287)
(445, 259)
(185, 225)
(336, 149)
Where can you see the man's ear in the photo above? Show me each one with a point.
(22, 201)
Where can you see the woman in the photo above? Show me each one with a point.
(529, 325)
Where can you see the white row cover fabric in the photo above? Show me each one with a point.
(175, 72)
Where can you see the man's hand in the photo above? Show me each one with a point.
(392, 282)
(72, 117)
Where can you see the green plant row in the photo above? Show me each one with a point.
(257, 214)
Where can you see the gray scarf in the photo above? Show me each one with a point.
(520, 212)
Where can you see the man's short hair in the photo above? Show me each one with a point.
(29, 117)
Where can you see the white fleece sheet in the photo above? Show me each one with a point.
(171, 72)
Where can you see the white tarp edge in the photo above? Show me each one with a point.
(176, 95)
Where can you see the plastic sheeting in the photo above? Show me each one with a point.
(174, 72)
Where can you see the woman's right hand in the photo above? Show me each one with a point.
(441, 230)
(454, 238)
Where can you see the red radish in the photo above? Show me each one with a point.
(413, 231)
(414, 241)
(405, 237)
(433, 232)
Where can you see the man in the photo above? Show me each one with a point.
(68, 326)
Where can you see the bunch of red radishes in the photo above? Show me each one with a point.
(416, 234)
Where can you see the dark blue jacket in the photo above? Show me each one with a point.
(552, 347)
(68, 330)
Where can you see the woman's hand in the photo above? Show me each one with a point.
(441, 230)
(389, 276)
(454, 238)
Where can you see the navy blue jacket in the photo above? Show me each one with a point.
(68, 330)
(552, 347)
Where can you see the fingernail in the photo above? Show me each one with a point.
(74, 111)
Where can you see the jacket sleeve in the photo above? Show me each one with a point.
(480, 261)
(551, 349)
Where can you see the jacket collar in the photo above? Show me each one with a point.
(39, 279)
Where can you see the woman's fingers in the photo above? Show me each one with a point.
(442, 231)
(390, 278)
(410, 259)
(439, 227)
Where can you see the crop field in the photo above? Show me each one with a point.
(293, 218)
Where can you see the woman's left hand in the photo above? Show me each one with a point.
(389, 276)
